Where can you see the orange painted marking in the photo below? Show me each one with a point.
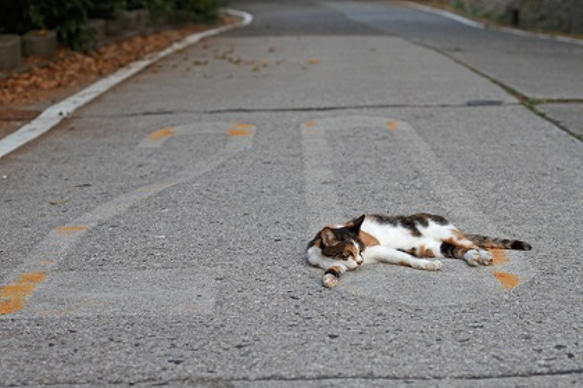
(392, 124)
(311, 123)
(500, 256)
(71, 230)
(12, 296)
(161, 134)
(243, 126)
(239, 132)
(507, 280)
(34, 277)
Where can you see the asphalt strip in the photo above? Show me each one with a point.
(54, 114)
(484, 26)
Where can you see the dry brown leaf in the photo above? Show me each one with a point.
(72, 69)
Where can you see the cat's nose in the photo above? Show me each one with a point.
(359, 260)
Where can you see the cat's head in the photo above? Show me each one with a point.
(342, 243)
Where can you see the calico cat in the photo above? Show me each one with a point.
(404, 240)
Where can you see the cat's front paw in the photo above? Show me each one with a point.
(329, 280)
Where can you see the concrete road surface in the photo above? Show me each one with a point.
(156, 237)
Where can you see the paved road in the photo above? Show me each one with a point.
(157, 236)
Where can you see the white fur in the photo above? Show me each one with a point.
(401, 238)
(384, 254)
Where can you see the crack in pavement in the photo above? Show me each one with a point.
(467, 104)
(279, 378)
(528, 102)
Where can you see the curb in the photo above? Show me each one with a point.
(56, 113)
(485, 26)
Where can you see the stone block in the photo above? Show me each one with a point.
(180, 17)
(40, 43)
(97, 26)
(116, 26)
(140, 18)
(10, 52)
(576, 14)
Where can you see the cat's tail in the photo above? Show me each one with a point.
(498, 243)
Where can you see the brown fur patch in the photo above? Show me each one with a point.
(452, 248)
(350, 249)
(367, 239)
(422, 251)
(458, 235)
(459, 240)
(404, 264)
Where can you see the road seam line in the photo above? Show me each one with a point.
(522, 99)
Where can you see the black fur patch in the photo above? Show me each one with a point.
(332, 271)
(447, 249)
(413, 222)
(521, 245)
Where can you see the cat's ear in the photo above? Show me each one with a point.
(355, 224)
(328, 236)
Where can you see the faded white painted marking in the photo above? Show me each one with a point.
(160, 136)
(56, 113)
(50, 251)
(447, 14)
(124, 292)
(319, 177)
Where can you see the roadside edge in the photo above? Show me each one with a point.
(54, 114)
(472, 23)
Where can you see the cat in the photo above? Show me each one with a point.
(404, 240)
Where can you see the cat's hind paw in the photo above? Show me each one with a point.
(486, 258)
(472, 257)
(329, 280)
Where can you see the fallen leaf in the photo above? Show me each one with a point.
(70, 69)
(59, 201)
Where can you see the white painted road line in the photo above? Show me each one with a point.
(53, 115)
(447, 14)
(475, 24)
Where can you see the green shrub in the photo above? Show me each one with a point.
(106, 9)
(208, 10)
(67, 17)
